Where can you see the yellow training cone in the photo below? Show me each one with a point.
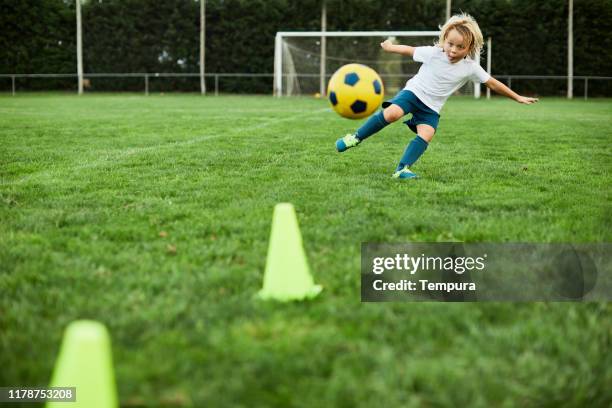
(85, 362)
(287, 276)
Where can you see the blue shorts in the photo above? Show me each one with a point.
(421, 113)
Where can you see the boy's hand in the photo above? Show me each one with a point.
(386, 45)
(526, 100)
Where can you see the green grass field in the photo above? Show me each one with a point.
(152, 215)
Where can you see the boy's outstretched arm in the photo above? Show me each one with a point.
(388, 46)
(496, 86)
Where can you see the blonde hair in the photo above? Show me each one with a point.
(467, 26)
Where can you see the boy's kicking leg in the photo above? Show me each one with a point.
(375, 123)
(414, 150)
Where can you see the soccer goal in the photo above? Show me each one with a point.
(305, 60)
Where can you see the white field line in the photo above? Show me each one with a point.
(116, 156)
(118, 113)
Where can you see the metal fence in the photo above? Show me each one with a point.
(578, 80)
(582, 84)
(145, 77)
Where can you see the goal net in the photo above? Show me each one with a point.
(304, 61)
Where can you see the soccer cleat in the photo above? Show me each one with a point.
(404, 173)
(346, 142)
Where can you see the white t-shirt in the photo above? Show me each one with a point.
(438, 78)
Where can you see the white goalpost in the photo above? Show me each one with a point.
(301, 58)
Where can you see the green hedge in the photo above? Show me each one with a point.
(38, 36)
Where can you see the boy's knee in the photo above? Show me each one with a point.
(393, 113)
(426, 132)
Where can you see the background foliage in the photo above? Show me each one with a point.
(119, 36)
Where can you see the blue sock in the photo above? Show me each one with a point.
(415, 149)
(373, 125)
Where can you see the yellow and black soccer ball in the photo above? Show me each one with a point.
(355, 91)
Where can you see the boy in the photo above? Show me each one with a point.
(446, 67)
